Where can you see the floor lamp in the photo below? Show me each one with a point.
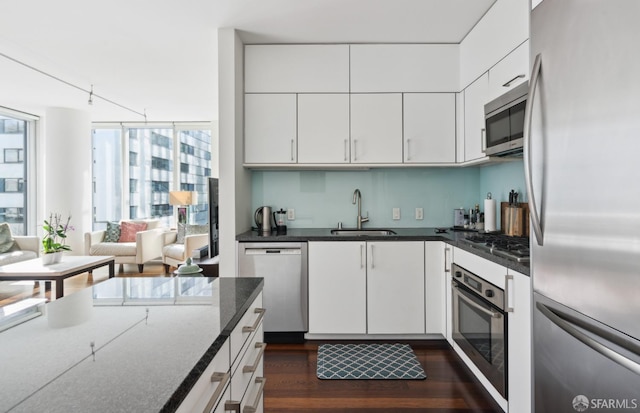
(183, 200)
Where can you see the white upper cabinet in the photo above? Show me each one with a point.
(376, 128)
(429, 127)
(509, 72)
(270, 128)
(323, 128)
(475, 97)
(404, 68)
(296, 68)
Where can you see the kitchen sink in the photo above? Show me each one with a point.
(355, 232)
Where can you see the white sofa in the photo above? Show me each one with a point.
(147, 247)
(29, 248)
(174, 254)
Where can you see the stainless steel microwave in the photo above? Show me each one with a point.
(504, 122)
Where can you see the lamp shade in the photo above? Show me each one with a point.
(183, 198)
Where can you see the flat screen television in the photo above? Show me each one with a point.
(213, 218)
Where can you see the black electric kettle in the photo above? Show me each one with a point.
(262, 216)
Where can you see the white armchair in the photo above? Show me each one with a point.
(174, 254)
(29, 248)
(147, 247)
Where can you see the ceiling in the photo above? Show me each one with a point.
(159, 57)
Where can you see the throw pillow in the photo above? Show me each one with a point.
(113, 232)
(188, 229)
(129, 229)
(6, 240)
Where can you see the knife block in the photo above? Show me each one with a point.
(514, 219)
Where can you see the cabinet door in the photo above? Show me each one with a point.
(509, 72)
(435, 291)
(404, 68)
(376, 128)
(429, 127)
(518, 292)
(337, 287)
(447, 252)
(296, 68)
(475, 97)
(395, 287)
(270, 128)
(323, 128)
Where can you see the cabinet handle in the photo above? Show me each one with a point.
(254, 327)
(361, 256)
(372, 263)
(232, 406)
(254, 407)
(510, 81)
(254, 366)
(408, 149)
(490, 313)
(346, 150)
(223, 379)
(355, 150)
(292, 150)
(508, 293)
(483, 141)
(446, 267)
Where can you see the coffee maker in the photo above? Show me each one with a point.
(279, 219)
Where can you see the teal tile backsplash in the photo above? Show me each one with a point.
(321, 199)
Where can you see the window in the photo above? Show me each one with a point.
(13, 155)
(14, 136)
(107, 176)
(153, 171)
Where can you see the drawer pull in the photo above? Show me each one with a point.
(254, 366)
(232, 406)
(223, 379)
(254, 327)
(254, 407)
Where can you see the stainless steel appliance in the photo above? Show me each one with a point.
(480, 324)
(581, 169)
(504, 122)
(262, 217)
(512, 248)
(283, 266)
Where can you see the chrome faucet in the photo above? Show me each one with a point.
(357, 197)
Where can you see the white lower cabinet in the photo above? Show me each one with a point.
(229, 381)
(337, 287)
(366, 287)
(437, 257)
(395, 287)
(518, 290)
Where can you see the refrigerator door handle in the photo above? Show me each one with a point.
(528, 112)
(565, 325)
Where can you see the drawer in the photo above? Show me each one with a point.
(254, 398)
(209, 389)
(250, 366)
(247, 326)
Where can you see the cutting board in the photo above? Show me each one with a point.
(521, 228)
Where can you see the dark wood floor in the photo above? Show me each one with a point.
(292, 385)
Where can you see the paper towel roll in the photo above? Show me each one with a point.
(489, 215)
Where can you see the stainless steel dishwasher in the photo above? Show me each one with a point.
(283, 266)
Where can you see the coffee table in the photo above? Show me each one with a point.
(71, 265)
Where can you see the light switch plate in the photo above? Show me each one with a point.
(396, 214)
(291, 214)
(419, 213)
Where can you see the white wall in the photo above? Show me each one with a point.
(235, 181)
(64, 171)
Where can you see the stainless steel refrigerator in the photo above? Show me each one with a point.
(582, 168)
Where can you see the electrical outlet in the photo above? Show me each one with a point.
(396, 214)
(419, 213)
(291, 214)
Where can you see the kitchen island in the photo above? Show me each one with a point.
(123, 345)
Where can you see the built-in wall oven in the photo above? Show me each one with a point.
(480, 325)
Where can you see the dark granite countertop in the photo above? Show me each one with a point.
(152, 338)
(401, 234)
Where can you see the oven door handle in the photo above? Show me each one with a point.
(472, 303)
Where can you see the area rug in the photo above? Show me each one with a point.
(368, 361)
